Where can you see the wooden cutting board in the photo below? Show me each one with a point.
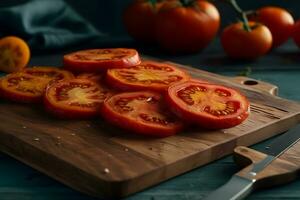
(104, 161)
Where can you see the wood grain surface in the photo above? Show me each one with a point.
(282, 170)
(101, 160)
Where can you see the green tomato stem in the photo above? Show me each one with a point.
(186, 2)
(153, 3)
(243, 13)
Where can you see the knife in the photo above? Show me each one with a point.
(239, 187)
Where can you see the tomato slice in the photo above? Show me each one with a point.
(21, 87)
(141, 112)
(208, 105)
(91, 76)
(75, 98)
(14, 54)
(147, 75)
(97, 60)
(49, 73)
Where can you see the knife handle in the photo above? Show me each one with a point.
(236, 188)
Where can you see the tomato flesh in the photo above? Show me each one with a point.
(75, 98)
(91, 76)
(210, 106)
(20, 87)
(97, 60)
(148, 75)
(141, 112)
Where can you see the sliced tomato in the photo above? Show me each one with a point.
(141, 112)
(91, 76)
(75, 98)
(49, 73)
(14, 54)
(147, 75)
(208, 105)
(97, 60)
(21, 87)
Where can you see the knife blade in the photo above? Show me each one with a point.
(239, 187)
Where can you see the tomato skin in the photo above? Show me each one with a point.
(74, 64)
(189, 114)
(241, 44)
(296, 33)
(17, 51)
(124, 85)
(51, 73)
(65, 113)
(109, 114)
(186, 29)
(65, 110)
(139, 20)
(279, 21)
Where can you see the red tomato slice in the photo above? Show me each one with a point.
(141, 112)
(75, 98)
(49, 73)
(147, 75)
(208, 105)
(21, 87)
(91, 76)
(97, 60)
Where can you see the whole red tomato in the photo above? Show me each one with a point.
(240, 43)
(186, 28)
(278, 20)
(296, 33)
(139, 20)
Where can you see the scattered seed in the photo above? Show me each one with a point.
(149, 99)
(106, 170)
(73, 134)
(58, 137)
(24, 127)
(125, 149)
(36, 139)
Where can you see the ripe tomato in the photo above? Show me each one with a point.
(141, 112)
(75, 98)
(21, 87)
(278, 20)
(186, 29)
(97, 60)
(239, 43)
(14, 54)
(139, 20)
(148, 75)
(49, 73)
(210, 106)
(91, 76)
(296, 33)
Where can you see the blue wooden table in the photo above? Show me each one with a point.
(280, 67)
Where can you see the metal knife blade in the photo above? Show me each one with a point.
(239, 187)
